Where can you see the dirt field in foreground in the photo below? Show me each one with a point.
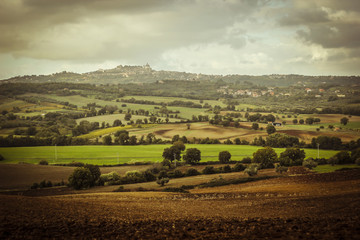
(315, 206)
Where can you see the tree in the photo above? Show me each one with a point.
(292, 157)
(1, 157)
(224, 156)
(107, 140)
(117, 123)
(81, 178)
(270, 129)
(344, 121)
(127, 116)
(309, 120)
(255, 126)
(301, 121)
(95, 173)
(192, 156)
(343, 157)
(295, 121)
(265, 157)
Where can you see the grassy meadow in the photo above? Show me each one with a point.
(128, 154)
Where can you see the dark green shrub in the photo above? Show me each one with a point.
(208, 170)
(239, 167)
(43, 162)
(148, 176)
(309, 163)
(76, 164)
(174, 189)
(175, 174)
(343, 157)
(226, 169)
(280, 169)
(1, 157)
(192, 172)
(246, 160)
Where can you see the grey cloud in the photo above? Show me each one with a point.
(303, 17)
(335, 35)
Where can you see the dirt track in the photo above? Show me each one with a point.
(318, 206)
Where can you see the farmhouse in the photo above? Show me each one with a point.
(276, 124)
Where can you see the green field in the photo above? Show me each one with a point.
(127, 154)
(329, 168)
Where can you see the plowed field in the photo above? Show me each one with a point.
(315, 206)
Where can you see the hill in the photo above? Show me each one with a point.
(145, 74)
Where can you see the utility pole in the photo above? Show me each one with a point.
(318, 145)
(118, 160)
(55, 154)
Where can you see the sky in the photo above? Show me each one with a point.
(253, 37)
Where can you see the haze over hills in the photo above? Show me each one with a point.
(145, 74)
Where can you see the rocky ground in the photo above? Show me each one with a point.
(314, 206)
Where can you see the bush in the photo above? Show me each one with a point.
(226, 169)
(134, 177)
(162, 181)
(149, 176)
(108, 177)
(95, 173)
(280, 169)
(209, 170)
(1, 157)
(246, 160)
(81, 178)
(192, 156)
(176, 174)
(43, 162)
(192, 172)
(309, 163)
(252, 169)
(238, 167)
(343, 157)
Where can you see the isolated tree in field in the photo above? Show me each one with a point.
(117, 123)
(292, 157)
(192, 156)
(224, 156)
(301, 121)
(127, 116)
(270, 129)
(295, 121)
(81, 178)
(188, 126)
(265, 157)
(255, 126)
(107, 140)
(344, 121)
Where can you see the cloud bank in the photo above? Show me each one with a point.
(314, 37)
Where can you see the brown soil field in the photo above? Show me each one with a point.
(22, 176)
(313, 206)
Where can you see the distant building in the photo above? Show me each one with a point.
(276, 124)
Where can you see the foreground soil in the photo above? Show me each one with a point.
(314, 206)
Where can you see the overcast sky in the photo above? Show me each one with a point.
(310, 37)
